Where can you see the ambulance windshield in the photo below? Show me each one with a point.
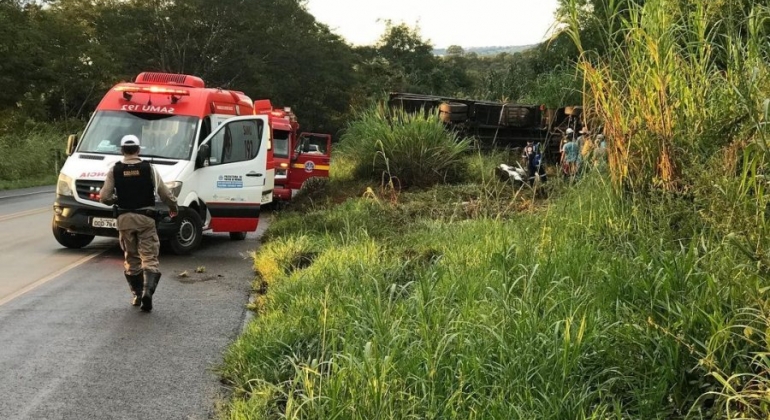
(160, 135)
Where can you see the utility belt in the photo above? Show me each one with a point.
(151, 213)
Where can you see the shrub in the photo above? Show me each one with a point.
(407, 149)
(34, 153)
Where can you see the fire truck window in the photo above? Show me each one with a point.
(281, 143)
(236, 142)
(205, 129)
(317, 145)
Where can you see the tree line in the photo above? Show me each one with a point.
(60, 56)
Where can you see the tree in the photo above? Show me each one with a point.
(455, 50)
(21, 49)
(407, 60)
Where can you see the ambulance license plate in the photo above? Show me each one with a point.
(104, 222)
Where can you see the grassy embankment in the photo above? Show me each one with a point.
(31, 154)
(642, 294)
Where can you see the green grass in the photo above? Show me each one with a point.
(681, 83)
(587, 308)
(28, 183)
(404, 149)
(31, 154)
(643, 295)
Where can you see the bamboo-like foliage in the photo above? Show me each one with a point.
(667, 92)
(403, 148)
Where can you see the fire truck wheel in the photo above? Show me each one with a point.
(190, 232)
(237, 236)
(70, 240)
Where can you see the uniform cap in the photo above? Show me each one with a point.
(129, 140)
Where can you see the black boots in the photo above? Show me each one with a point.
(136, 284)
(150, 284)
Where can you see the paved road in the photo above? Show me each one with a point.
(71, 345)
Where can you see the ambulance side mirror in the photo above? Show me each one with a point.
(72, 142)
(204, 153)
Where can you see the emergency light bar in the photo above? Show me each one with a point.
(152, 89)
(284, 115)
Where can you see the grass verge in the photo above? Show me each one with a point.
(466, 301)
(31, 154)
(27, 183)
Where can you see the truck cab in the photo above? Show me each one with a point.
(298, 156)
(207, 145)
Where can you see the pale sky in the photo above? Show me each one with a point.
(468, 23)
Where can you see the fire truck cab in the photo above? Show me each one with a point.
(207, 144)
(298, 156)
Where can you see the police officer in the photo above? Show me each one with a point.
(132, 184)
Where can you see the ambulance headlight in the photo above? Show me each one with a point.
(64, 185)
(175, 187)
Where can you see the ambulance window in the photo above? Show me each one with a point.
(238, 141)
(161, 135)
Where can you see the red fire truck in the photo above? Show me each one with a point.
(298, 156)
(208, 145)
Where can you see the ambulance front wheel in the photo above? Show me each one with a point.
(70, 240)
(190, 233)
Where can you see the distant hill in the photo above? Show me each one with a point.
(488, 50)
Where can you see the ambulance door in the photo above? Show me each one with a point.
(311, 159)
(230, 174)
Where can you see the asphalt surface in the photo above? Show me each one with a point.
(72, 346)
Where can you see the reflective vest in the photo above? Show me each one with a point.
(134, 185)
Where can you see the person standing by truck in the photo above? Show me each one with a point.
(131, 184)
(570, 155)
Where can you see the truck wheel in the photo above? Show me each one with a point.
(190, 233)
(453, 108)
(70, 240)
(238, 236)
(450, 112)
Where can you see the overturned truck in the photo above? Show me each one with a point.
(496, 124)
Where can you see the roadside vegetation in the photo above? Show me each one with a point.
(415, 283)
(637, 293)
(60, 56)
(32, 153)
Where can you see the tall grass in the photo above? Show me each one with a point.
(31, 154)
(406, 149)
(643, 296)
(588, 309)
(674, 86)
(683, 97)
